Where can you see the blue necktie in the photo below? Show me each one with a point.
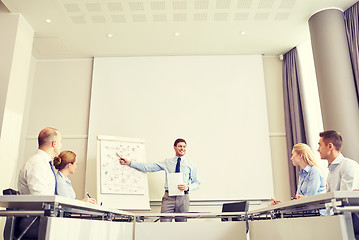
(53, 171)
(178, 165)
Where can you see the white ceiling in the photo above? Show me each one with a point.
(79, 28)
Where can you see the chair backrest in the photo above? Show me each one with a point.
(10, 191)
(11, 221)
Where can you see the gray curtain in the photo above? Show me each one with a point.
(351, 18)
(294, 121)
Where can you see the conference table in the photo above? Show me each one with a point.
(325, 216)
(65, 218)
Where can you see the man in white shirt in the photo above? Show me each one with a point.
(343, 172)
(36, 177)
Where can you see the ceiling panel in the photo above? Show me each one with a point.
(80, 29)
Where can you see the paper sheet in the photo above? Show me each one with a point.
(173, 180)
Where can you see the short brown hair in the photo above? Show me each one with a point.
(178, 140)
(332, 136)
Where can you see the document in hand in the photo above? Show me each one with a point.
(173, 180)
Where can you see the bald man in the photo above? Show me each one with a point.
(36, 177)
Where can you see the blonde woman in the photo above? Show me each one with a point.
(311, 180)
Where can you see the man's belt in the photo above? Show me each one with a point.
(185, 192)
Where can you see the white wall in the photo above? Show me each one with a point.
(15, 57)
(274, 91)
(311, 105)
(60, 98)
(61, 95)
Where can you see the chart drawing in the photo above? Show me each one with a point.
(117, 178)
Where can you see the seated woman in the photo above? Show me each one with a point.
(66, 164)
(311, 181)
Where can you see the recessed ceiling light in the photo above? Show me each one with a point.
(177, 34)
(243, 33)
(110, 35)
(48, 20)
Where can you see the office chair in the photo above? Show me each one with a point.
(19, 227)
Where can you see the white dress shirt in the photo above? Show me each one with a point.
(36, 176)
(343, 175)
